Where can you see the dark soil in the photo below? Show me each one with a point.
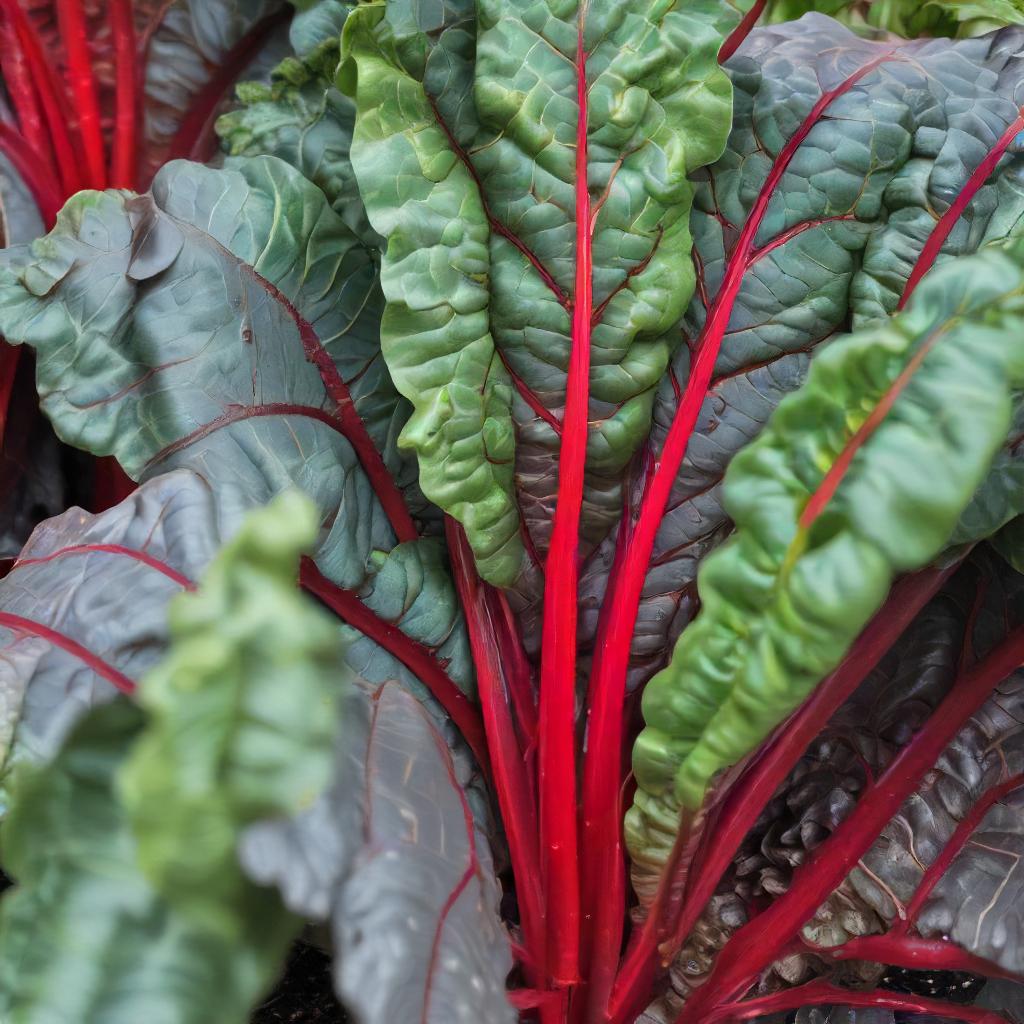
(304, 994)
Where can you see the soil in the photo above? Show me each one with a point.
(304, 994)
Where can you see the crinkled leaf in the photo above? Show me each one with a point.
(242, 715)
(911, 18)
(879, 165)
(395, 858)
(305, 120)
(476, 202)
(178, 330)
(851, 483)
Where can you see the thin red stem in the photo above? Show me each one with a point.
(948, 220)
(53, 103)
(194, 138)
(557, 772)
(75, 36)
(18, 82)
(347, 606)
(123, 161)
(615, 629)
(111, 549)
(742, 30)
(956, 843)
(20, 624)
(818, 993)
(759, 943)
(660, 936)
(914, 953)
(510, 779)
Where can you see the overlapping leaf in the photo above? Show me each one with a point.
(504, 170)
(395, 858)
(851, 483)
(178, 331)
(910, 18)
(130, 902)
(879, 166)
(85, 608)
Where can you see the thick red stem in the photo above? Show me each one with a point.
(742, 30)
(123, 162)
(71, 18)
(759, 943)
(557, 764)
(511, 786)
(948, 220)
(347, 606)
(819, 993)
(194, 138)
(608, 676)
(661, 936)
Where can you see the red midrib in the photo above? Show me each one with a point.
(826, 490)
(112, 549)
(417, 658)
(948, 220)
(602, 812)
(44, 80)
(354, 428)
(557, 751)
(20, 624)
(239, 414)
(745, 800)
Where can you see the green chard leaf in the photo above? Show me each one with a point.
(862, 474)
(130, 903)
(477, 200)
(910, 18)
(176, 330)
(883, 158)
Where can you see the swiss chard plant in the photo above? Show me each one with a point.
(554, 509)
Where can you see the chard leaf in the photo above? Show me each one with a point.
(851, 483)
(195, 51)
(395, 858)
(911, 18)
(83, 610)
(242, 715)
(20, 219)
(302, 118)
(264, 377)
(481, 234)
(836, 241)
(130, 903)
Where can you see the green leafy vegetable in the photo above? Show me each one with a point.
(130, 902)
(862, 474)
